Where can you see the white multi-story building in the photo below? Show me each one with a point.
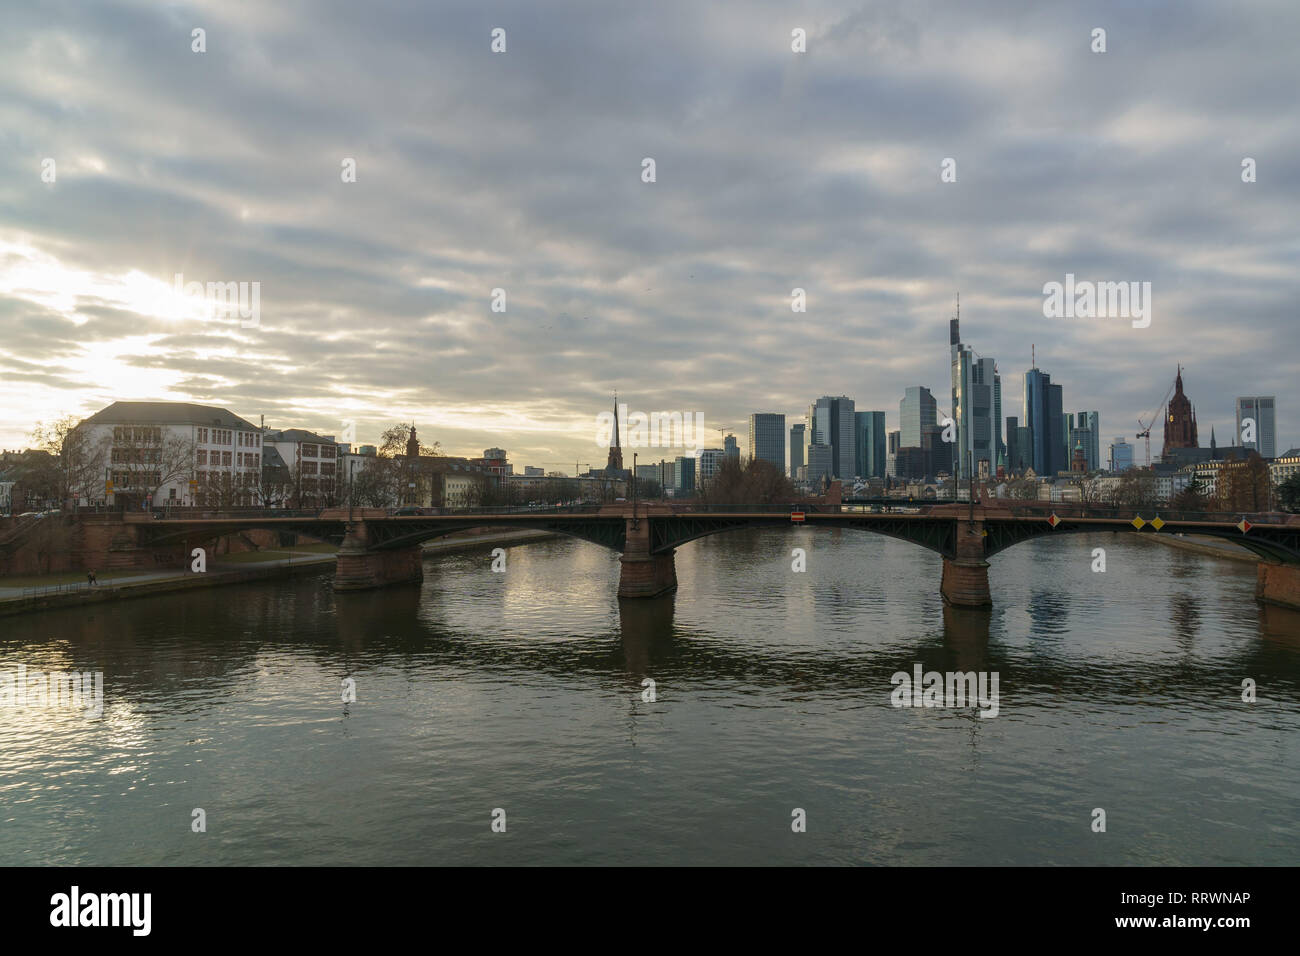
(140, 453)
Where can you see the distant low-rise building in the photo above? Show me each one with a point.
(312, 461)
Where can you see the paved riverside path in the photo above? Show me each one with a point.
(293, 558)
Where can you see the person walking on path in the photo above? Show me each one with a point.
(90, 579)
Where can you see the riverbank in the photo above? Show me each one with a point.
(249, 566)
(1215, 547)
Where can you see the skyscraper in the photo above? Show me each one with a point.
(893, 442)
(1085, 431)
(1260, 409)
(870, 442)
(938, 453)
(1042, 414)
(767, 438)
(731, 447)
(830, 422)
(976, 398)
(1121, 455)
(999, 446)
(820, 462)
(797, 444)
(916, 411)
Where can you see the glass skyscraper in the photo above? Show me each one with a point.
(870, 444)
(917, 411)
(976, 399)
(1043, 417)
(831, 422)
(767, 438)
(1260, 408)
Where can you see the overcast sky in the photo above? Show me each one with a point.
(522, 170)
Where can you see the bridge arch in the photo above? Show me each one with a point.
(1269, 544)
(606, 534)
(670, 532)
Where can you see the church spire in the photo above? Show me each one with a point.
(615, 462)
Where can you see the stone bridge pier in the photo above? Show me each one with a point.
(1278, 584)
(361, 566)
(966, 577)
(645, 575)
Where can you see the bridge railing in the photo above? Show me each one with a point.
(191, 513)
(712, 507)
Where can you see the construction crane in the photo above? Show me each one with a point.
(1151, 419)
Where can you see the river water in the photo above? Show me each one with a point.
(522, 692)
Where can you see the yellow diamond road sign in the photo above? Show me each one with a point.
(1157, 524)
(1138, 523)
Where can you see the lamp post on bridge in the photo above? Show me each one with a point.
(352, 464)
(634, 519)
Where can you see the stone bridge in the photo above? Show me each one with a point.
(377, 549)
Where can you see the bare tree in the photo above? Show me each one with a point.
(376, 484)
(1244, 486)
(143, 458)
(1136, 489)
(757, 482)
(80, 457)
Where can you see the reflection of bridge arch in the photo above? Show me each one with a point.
(393, 533)
(604, 531)
(938, 535)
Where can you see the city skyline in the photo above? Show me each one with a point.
(775, 171)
